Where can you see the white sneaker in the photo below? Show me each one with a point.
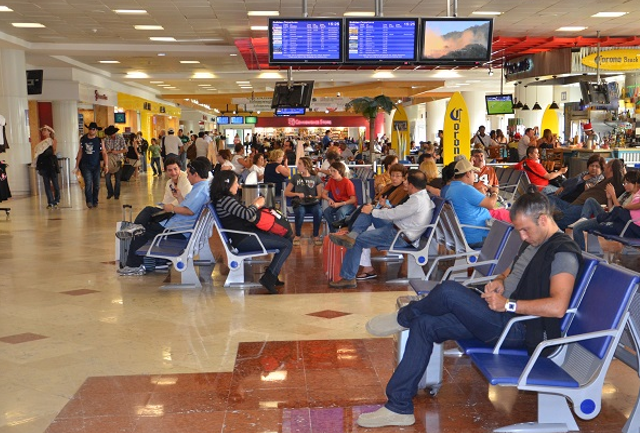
(384, 325)
(132, 270)
(570, 226)
(384, 417)
(132, 231)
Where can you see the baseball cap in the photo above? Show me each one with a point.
(464, 166)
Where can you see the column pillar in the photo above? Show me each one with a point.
(477, 110)
(14, 107)
(65, 122)
(435, 118)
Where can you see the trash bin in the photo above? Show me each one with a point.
(251, 192)
(35, 181)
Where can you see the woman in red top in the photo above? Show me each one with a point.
(538, 175)
(343, 200)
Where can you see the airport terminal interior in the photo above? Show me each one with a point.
(84, 350)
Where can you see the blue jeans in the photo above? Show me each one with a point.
(155, 165)
(91, 184)
(49, 179)
(591, 208)
(332, 214)
(364, 221)
(580, 228)
(110, 190)
(378, 238)
(571, 212)
(450, 312)
(315, 210)
(270, 241)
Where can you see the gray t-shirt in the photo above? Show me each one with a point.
(562, 263)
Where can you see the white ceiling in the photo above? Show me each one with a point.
(84, 32)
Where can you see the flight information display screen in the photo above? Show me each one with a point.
(305, 40)
(381, 40)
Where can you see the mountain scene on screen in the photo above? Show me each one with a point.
(470, 43)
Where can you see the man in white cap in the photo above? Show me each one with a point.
(172, 144)
(592, 138)
(471, 206)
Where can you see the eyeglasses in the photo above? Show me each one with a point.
(191, 169)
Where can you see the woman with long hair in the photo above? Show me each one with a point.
(46, 162)
(236, 216)
(305, 189)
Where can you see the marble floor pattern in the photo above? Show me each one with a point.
(83, 350)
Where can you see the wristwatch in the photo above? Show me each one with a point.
(511, 306)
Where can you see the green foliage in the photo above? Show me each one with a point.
(369, 107)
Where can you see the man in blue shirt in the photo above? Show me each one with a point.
(184, 215)
(326, 140)
(471, 206)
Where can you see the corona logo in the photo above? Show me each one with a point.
(455, 116)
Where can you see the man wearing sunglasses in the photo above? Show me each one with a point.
(88, 161)
(184, 214)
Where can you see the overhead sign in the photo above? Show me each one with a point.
(614, 60)
(457, 132)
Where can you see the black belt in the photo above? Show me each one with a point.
(402, 235)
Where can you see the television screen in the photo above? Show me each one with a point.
(222, 120)
(119, 118)
(456, 40)
(290, 111)
(377, 40)
(34, 82)
(305, 40)
(499, 104)
(237, 120)
(250, 120)
(296, 94)
(593, 93)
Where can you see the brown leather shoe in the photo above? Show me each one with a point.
(342, 240)
(344, 284)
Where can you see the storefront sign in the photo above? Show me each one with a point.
(91, 95)
(615, 60)
(312, 122)
(99, 96)
(320, 105)
(457, 132)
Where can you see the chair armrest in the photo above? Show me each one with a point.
(469, 226)
(264, 250)
(456, 268)
(505, 331)
(447, 257)
(522, 381)
(624, 230)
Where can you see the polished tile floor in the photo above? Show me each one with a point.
(83, 350)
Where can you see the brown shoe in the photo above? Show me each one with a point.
(344, 284)
(342, 240)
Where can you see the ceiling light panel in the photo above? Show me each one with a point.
(130, 11)
(609, 14)
(28, 25)
(147, 27)
(263, 13)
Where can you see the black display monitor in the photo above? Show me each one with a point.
(499, 104)
(34, 82)
(222, 120)
(381, 40)
(593, 93)
(456, 40)
(119, 118)
(305, 40)
(294, 94)
(290, 111)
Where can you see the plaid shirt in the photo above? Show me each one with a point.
(116, 143)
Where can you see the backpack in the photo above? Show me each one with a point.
(273, 221)
(192, 152)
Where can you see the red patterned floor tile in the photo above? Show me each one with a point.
(189, 402)
(328, 314)
(118, 385)
(335, 354)
(211, 422)
(79, 292)
(22, 338)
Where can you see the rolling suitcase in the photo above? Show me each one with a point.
(127, 172)
(432, 377)
(332, 256)
(122, 246)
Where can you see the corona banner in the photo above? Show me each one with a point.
(615, 60)
(456, 132)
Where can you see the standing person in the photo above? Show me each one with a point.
(343, 200)
(143, 147)
(88, 161)
(591, 137)
(235, 216)
(326, 140)
(116, 147)
(132, 155)
(539, 283)
(184, 139)
(172, 144)
(46, 162)
(201, 145)
(305, 188)
(275, 171)
(154, 151)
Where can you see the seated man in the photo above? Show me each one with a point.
(412, 218)
(471, 206)
(176, 189)
(485, 180)
(539, 283)
(538, 175)
(184, 215)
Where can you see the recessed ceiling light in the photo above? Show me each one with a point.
(270, 76)
(130, 11)
(571, 29)
(156, 82)
(233, 55)
(109, 61)
(360, 14)
(164, 85)
(259, 28)
(486, 13)
(187, 62)
(170, 87)
(246, 87)
(208, 75)
(609, 14)
(162, 38)
(136, 74)
(263, 13)
(383, 74)
(161, 54)
(243, 82)
(28, 25)
(148, 27)
(204, 85)
(5, 9)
